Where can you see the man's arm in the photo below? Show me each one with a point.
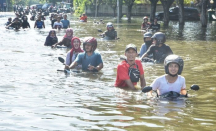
(99, 67)
(72, 66)
(142, 81)
(68, 24)
(130, 84)
(144, 55)
(35, 24)
(43, 25)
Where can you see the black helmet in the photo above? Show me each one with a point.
(173, 59)
(160, 38)
(147, 34)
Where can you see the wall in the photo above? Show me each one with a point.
(137, 10)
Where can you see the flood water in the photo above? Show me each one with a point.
(34, 96)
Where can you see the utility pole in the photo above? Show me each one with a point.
(96, 8)
(118, 11)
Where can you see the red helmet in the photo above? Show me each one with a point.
(145, 18)
(90, 40)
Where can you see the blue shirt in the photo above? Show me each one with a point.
(85, 60)
(65, 23)
(39, 24)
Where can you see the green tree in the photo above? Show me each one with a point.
(113, 5)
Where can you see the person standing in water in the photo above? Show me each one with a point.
(155, 26)
(16, 24)
(83, 18)
(58, 24)
(39, 23)
(66, 41)
(65, 22)
(90, 60)
(147, 43)
(159, 49)
(110, 33)
(145, 24)
(72, 54)
(172, 80)
(51, 39)
(130, 71)
(9, 21)
(25, 23)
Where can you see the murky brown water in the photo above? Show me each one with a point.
(34, 96)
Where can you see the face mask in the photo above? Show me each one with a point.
(148, 42)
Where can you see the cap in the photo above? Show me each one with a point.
(132, 46)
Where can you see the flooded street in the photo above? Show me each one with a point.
(34, 96)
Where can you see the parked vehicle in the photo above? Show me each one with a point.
(46, 6)
(190, 13)
(36, 6)
(65, 8)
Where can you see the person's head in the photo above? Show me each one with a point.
(75, 43)
(89, 44)
(25, 19)
(159, 38)
(155, 20)
(9, 19)
(147, 38)
(52, 33)
(145, 19)
(55, 16)
(69, 32)
(173, 65)
(39, 17)
(131, 52)
(109, 26)
(65, 16)
(58, 18)
(83, 14)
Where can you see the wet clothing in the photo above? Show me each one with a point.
(16, 25)
(123, 73)
(163, 86)
(52, 22)
(159, 53)
(8, 23)
(57, 25)
(66, 42)
(65, 23)
(39, 24)
(83, 19)
(155, 27)
(25, 24)
(145, 25)
(85, 60)
(144, 48)
(68, 58)
(111, 34)
(24, 18)
(51, 40)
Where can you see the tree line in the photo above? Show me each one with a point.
(80, 5)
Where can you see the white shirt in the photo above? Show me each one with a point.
(56, 24)
(68, 58)
(163, 86)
